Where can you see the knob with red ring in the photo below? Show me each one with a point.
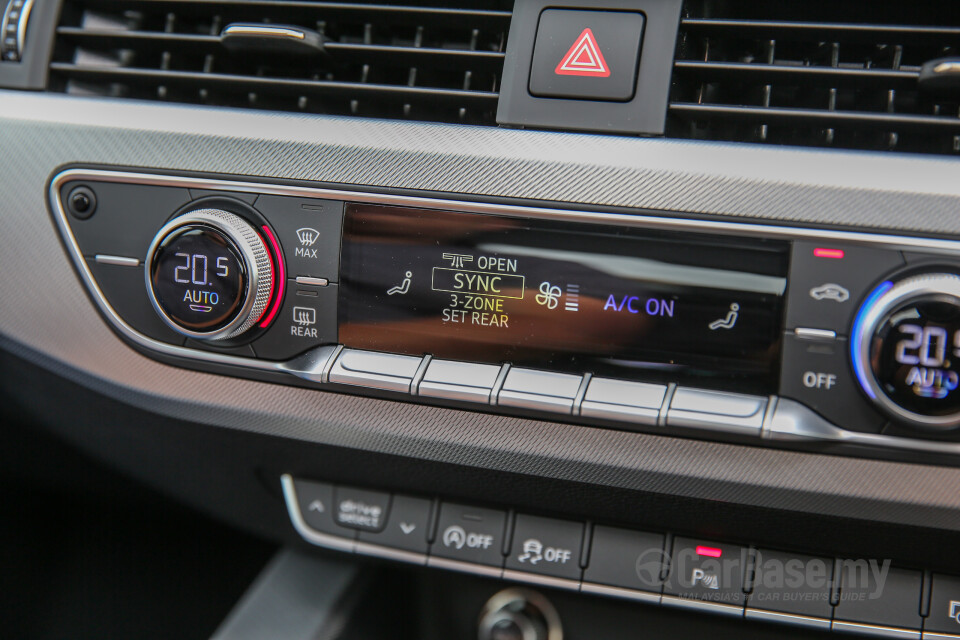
(210, 275)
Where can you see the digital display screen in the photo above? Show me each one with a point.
(917, 357)
(632, 304)
(198, 278)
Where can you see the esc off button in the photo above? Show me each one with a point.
(817, 374)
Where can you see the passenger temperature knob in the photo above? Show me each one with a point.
(905, 348)
(209, 275)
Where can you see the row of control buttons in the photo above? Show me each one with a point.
(863, 596)
(593, 397)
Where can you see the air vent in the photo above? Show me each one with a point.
(815, 73)
(425, 62)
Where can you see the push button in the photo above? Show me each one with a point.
(470, 534)
(944, 605)
(309, 233)
(307, 319)
(636, 402)
(386, 371)
(717, 411)
(873, 594)
(363, 510)
(316, 501)
(453, 380)
(406, 525)
(588, 55)
(817, 373)
(827, 283)
(539, 390)
(790, 583)
(627, 559)
(546, 546)
(706, 571)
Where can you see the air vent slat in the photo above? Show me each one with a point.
(436, 63)
(296, 87)
(760, 73)
(816, 73)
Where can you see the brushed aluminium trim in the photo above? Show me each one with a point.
(807, 333)
(620, 592)
(117, 261)
(22, 26)
(702, 605)
(933, 635)
(541, 580)
(311, 281)
(787, 618)
(794, 422)
(891, 241)
(874, 630)
(306, 532)
(465, 567)
(377, 551)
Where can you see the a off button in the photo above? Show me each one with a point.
(470, 535)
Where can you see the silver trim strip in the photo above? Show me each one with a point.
(794, 422)
(419, 375)
(933, 635)
(542, 213)
(541, 580)
(464, 567)
(875, 630)
(581, 392)
(787, 618)
(376, 551)
(312, 282)
(22, 27)
(308, 534)
(498, 385)
(619, 592)
(807, 333)
(118, 261)
(702, 605)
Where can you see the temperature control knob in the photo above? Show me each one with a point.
(905, 348)
(209, 275)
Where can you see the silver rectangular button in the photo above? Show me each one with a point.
(717, 411)
(539, 390)
(387, 371)
(453, 380)
(637, 402)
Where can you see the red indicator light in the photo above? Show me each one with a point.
(711, 552)
(821, 252)
(279, 279)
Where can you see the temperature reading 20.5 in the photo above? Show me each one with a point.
(197, 263)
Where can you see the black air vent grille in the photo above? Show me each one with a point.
(425, 62)
(815, 73)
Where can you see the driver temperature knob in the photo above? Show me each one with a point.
(905, 349)
(209, 275)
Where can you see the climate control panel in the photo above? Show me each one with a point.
(808, 337)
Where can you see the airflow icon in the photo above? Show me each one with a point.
(307, 236)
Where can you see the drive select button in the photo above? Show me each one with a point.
(586, 55)
(363, 510)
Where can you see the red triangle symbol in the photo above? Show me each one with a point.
(584, 58)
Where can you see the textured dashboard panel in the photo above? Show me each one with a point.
(46, 316)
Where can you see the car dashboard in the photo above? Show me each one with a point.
(497, 320)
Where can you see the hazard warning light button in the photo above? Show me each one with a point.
(587, 55)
